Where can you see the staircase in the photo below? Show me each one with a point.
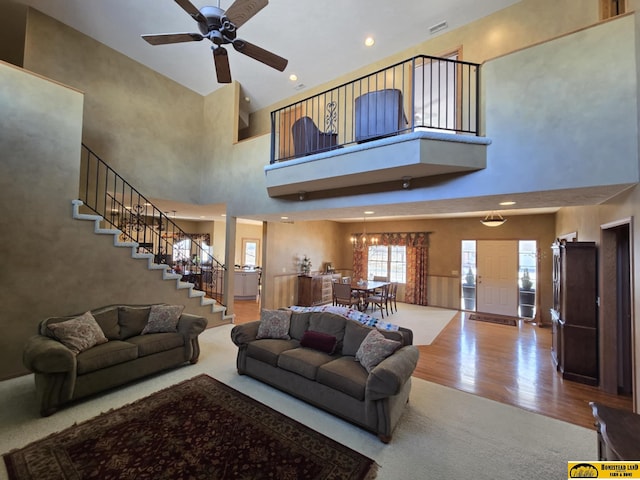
(198, 296)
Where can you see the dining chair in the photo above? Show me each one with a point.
(343, 297)
(392, 297)
(379, 278)
(380, 300)
(333, 290)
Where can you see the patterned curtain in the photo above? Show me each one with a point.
(417, 273)
(360, 262)
(417, 244)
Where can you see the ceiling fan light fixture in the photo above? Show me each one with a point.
(493, 220)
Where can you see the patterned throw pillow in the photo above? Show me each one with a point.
(274, 324)
(163, 318)
(78, 334)
(374, 349)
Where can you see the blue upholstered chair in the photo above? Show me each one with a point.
(308, 139)
(378, 114)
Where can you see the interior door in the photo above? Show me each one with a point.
(497, 277)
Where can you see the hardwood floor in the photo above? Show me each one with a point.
(507, 364)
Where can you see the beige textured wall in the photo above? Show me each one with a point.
(145, 126)
(522, 24)
(250, 232)
(56, 265)
(287, 243)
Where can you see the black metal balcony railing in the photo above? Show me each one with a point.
(106, 193)
(422, 93)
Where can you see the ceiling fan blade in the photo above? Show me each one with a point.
(221, 60)
(242, 10)
(260, 54)
(192, 10)
(165, 38)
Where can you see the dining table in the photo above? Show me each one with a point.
(364, 288)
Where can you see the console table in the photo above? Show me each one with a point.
(618, 433)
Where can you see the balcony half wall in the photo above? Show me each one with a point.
(415, 154)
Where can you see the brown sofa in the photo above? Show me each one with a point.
(333, 380)
(123, 354)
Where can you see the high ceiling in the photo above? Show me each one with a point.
(321, 39)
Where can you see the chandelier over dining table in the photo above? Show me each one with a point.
(361, 241)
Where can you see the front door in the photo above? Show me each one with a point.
(497, 277)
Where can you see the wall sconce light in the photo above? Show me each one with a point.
(406, 182)
(493, 220)
(302, 195)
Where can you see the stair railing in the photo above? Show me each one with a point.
(106, 193)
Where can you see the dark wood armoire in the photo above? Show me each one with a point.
(575, 311)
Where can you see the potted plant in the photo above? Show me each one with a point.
(469, 290)
(305, 265)
(527, 295)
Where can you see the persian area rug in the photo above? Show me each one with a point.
(489, 317)
(197, 429)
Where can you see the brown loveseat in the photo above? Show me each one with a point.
(72, 357)
(324, 359)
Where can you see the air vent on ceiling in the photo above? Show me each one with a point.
(438, 27)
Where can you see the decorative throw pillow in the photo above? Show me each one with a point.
(274, 324)
(375, 348)
(78, 334)
(132, 320)
(319, 341)
(163, 318)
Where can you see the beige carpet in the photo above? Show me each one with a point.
(444, 433)
(425, 322)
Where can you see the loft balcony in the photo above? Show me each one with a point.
(415, 119)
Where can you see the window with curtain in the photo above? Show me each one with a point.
(182, 250)
(387, 261)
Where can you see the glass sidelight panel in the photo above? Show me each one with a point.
(468, 272)
(527, 276)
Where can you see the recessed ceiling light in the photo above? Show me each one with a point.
(293, 77)
(284, 218)
(369, 41)
(510, 202)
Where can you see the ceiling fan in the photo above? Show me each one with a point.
(221, 27)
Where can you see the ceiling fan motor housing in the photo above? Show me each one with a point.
(215, 23)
